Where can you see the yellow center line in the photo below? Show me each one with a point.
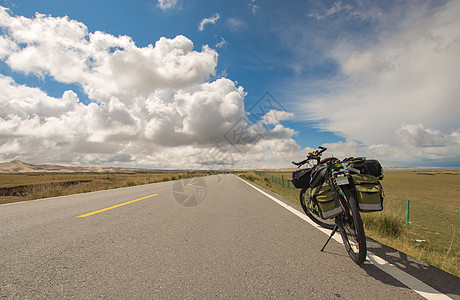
(115, 206)
(193, 183)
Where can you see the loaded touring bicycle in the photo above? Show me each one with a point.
(334, 192)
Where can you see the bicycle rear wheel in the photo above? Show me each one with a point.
(313, 215)
(351, 228)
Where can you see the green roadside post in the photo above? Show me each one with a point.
(407, 212)
(282, 180)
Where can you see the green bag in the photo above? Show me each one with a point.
(322, 196)
(312, 205)
(369, 192)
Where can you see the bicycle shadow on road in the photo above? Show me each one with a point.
(436, 278)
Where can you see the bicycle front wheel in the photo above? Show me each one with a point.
(313, 215)
(351, 228)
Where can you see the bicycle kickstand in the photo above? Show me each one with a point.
(332, 233)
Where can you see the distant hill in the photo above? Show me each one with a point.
(17, 166)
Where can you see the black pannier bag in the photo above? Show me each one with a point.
(373, 167)
(317, 175)
(367, 166)
(301, 178)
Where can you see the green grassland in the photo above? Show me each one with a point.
(20, 187)
(433, 232)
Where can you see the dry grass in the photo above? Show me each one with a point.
(424, 186)
(37, 186)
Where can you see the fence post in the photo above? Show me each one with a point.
(407, 212)
(282, 179)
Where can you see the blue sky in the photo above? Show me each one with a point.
(118, 83)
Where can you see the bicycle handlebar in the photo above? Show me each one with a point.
(300, 163)
(311, 155)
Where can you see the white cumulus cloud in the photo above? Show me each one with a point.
(419, 136)
(103, 64)
(156, 106)
(275, 116)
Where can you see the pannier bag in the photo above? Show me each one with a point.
(369, 192)
(373, 167)
(301, 178)
(318, 174)
(312, 205)
(328, 206)
(367, 166)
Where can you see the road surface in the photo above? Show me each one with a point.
(210, 238)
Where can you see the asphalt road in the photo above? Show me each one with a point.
(208, 238)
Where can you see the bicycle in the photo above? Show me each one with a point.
(337, 175)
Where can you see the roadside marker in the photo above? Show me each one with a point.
(115, 206)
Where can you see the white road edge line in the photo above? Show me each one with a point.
(408, 280)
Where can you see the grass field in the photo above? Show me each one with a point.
(20, 187)
(433, 232)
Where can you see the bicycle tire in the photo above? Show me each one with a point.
(328, 224)
(351, 229)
